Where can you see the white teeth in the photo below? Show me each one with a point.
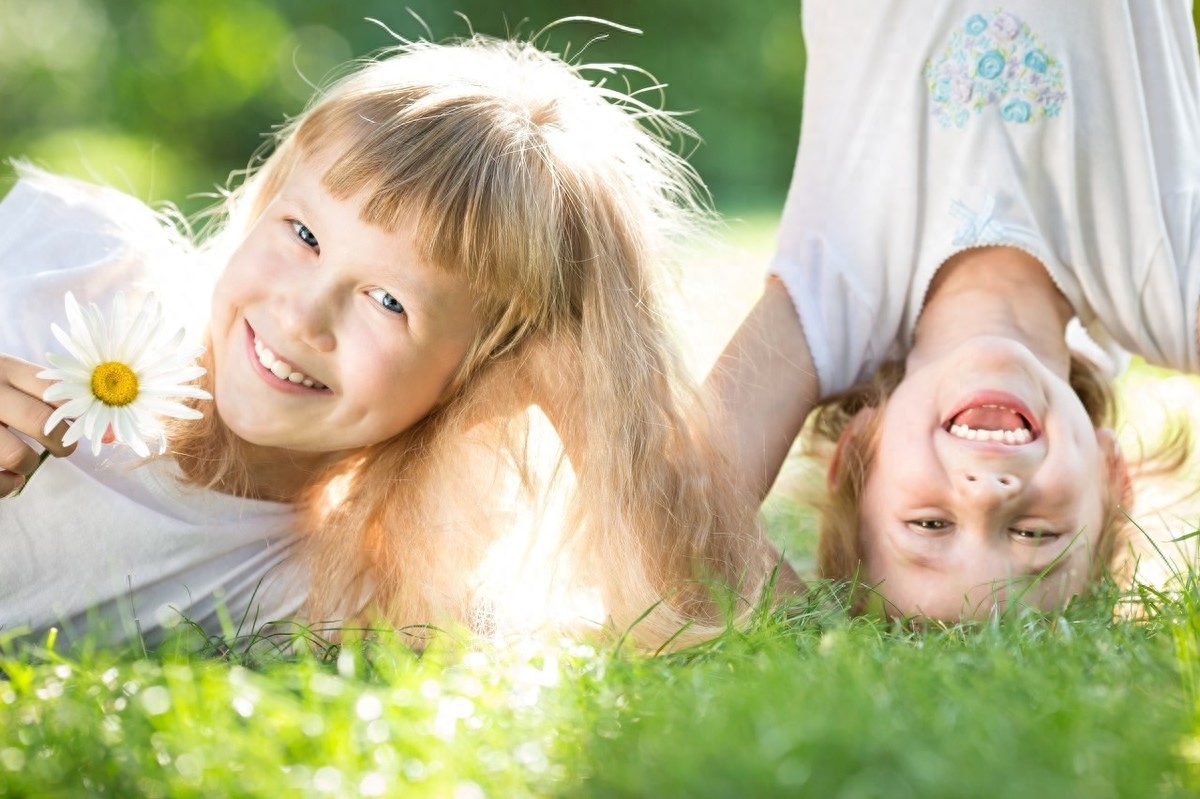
(282, 369)
(1022, 436)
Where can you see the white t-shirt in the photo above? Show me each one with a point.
(111, 545)
(1069, 129)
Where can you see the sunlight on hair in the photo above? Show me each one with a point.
(1153, 408)
(336, 490)
(524, 582)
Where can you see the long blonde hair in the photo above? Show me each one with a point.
(560, 202)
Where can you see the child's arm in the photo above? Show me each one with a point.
(22, 410)
(766, 384)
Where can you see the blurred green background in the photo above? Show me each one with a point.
(164, 98)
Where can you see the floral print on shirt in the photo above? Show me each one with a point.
(994, 60)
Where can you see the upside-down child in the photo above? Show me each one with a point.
(446, 236)
(971, 179)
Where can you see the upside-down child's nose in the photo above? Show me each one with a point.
(991, 484)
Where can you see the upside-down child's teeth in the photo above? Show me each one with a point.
(1022, 436)
(282, 369)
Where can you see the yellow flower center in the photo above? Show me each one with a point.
(114, 383)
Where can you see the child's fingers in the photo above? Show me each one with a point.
(16, 456)
(22, 407)
(10, 482)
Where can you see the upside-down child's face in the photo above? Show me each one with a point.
(329, 333)
(987, 487)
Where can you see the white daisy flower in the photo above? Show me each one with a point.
(121, 374)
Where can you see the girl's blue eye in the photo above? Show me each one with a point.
(304, 234)
(386, 300)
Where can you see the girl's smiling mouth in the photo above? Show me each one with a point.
(993, 417)
(282, 372)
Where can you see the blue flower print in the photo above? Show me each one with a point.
(994, 60)
(991, 64)
(1016, 111)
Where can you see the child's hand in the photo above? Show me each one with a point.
(23, 410)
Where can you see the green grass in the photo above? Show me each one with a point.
(804, 703)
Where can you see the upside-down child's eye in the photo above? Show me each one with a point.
(1027, 534)
(304, 234)
(387, 301)
(929, 525)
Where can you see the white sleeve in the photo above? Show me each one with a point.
(836, 319)
(59, 235)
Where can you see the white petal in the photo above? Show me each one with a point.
(81, 353)
(74, 314)
(147, 429)
(165, 354)
(171, 374)
(176, 340)
(127, 431)
(89, 326)
(55, 417)
(195, 392)
(95, 422)
(71, 410)
(98, 331)
(67, 369)
(148, 424)
(123, 429)
(66, 389)
(144, 334)
(139, 446)
(73, 434)
(136, 337)
(181, 354)
(164, 408)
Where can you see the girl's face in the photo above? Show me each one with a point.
(328, 333)
(988, 474)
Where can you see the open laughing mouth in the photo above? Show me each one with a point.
(1002, 420)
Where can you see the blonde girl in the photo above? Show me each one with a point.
(446, 236)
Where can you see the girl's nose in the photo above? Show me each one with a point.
(988, 484)
(306, 314)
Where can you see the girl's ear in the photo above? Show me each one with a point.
(852, 431)
(1118, 469)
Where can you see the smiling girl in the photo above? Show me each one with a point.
(448, 235)
(972, 179)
